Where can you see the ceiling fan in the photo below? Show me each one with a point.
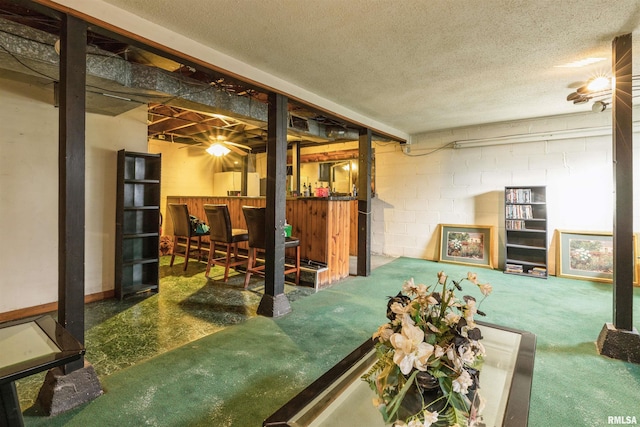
(220, 146)
(214, 133)
(597, 89)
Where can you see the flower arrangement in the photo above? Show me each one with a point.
(429, 356)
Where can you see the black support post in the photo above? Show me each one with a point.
(274, 303)
(295, 167)
(623, 185)
(365, 157)
(71, 180)
(621, 340)
(244, 176)
(75, 383)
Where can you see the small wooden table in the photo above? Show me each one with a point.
(29, 347)
(341, 398)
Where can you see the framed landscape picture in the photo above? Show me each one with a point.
(588, 256)
(466, 244)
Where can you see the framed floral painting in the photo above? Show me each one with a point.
(466, 244)
(588, 256)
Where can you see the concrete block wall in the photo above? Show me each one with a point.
(29, 194)
(436, 184)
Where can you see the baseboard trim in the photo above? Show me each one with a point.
(37, 310)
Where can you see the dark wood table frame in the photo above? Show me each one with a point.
(64, 349)
(517, 408)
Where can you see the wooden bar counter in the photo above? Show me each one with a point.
(322, 225)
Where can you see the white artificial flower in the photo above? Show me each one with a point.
(423, 353)
(451, 319)
(398, 308)
(472, 277)
(462, 383)
(479, 347)
(442, 277)
(467, 355)
(451, 353)
(438, 352)
(469, 311)
(409, 286)
(430, 418)
(422, 290)
(410, 349)
(384, 332)
(485, 289)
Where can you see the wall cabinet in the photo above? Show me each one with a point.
(526, 231)
(137, 223)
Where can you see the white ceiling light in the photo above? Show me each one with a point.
(599, 90)
(599, 106)
(218, 150)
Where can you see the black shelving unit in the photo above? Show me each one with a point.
(526, 231)
(137, 223)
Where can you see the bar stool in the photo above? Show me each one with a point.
(183, 234)
(255, 218)
(221, 232)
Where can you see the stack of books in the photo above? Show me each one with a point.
(538, 271)
(513, 268)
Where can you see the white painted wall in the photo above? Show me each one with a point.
(426, 187)
(29, 194)
(185, 172)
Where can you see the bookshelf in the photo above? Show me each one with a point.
(137, 224)
(526, 231)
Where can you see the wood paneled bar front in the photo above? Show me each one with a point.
(322, 225)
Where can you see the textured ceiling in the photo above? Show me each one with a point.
(414, 65)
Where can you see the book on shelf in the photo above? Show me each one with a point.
(538, 271)
(518, 212)
(517, 224)
(513, 268)
(518, 195)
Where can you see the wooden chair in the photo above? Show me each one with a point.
(255, 218)
(183, 234)
(221, 232)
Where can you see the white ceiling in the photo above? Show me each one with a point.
(414, 65)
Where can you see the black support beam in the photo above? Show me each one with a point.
(365, 158)
(620, 340)
(71, 180)
(623, 185)
(274, 303)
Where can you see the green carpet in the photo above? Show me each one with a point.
(121, 334)
(241, 374)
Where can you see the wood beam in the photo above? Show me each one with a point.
(71, 180)
(620, 340)
(328, 156)
(295, 166)
(623, 264)
(274, 303)
(364, 203)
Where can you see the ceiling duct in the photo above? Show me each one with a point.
(298, 123)
(117, 84)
